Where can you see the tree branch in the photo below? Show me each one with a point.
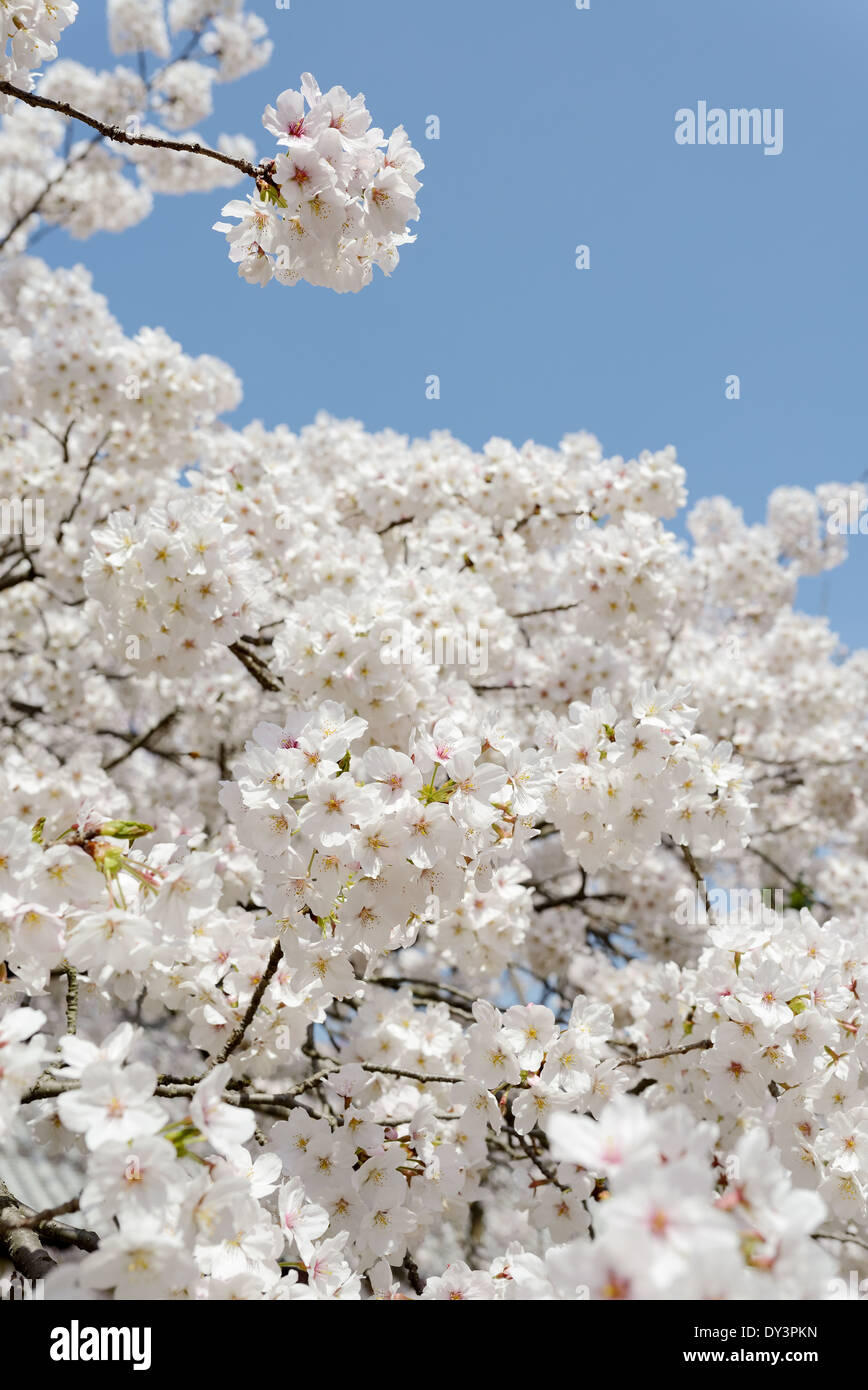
(535, 612)
(399, 521)
(670, 1052)
(237, 1036)
(10, 579)
(417, 1284)
(141, 740)
(122, 137)
(689, 860)
(24, 1243)
(411, 1075)
(40, 198)
(71, 997)
(258, 669)
(64, 522)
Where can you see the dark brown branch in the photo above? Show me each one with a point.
(40, 197)
(26, 1251)
(22, 707)
(24, 1243)
(49, 1214)
(269, 1105)
(84, 477)
(505, 685)
(535, 612)
(258, 669)
(398, 982)
(399, 521)
(747, 756)
(417, 1284)
(689, 860)
(237, 1036)
(577, 899)
(141, 740)
(795, 883)
(10, 579)
(671, 1052)
(71, 997)
(842, 1236)
(123, 137)
(545, 1168)
(411, 1075)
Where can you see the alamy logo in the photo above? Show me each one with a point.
(742, 907)
(16, 1289)
(23, 516)
(854, 1288)
(848, 516)
(76, 1343)
(737, 126)
(458, 646)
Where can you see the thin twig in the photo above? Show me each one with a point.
(237, 1036)
(399, 521)
(545, 1168)
(64, 522)
(40, 197)
(535, 612)
(416, 1282)
(671, 1052)
(71, 997)
(123, 137)
(398, 981)
(24, 1244)
(689, 860)
(49, 1214)
(141, 740)
(411, 1075)
(258, 669)
(842, 1237)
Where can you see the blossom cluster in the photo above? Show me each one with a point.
(237, 39)
(172, 583)
(623, 783)
(337, 198)
(336, 970)
(776, 998)
(30, 30)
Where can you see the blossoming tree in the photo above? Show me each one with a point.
(522, 958)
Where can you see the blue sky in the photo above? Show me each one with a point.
(557, 129)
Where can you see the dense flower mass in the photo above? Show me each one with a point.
(171, 584)
(30, 30)
(437, 824)
(440, 883)
(338, 196)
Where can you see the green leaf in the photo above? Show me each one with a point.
(801, 896)
(429, 794)
(125, 829)
(269, 194)
(181, 1136)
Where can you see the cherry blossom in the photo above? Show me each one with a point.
(521, 958)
